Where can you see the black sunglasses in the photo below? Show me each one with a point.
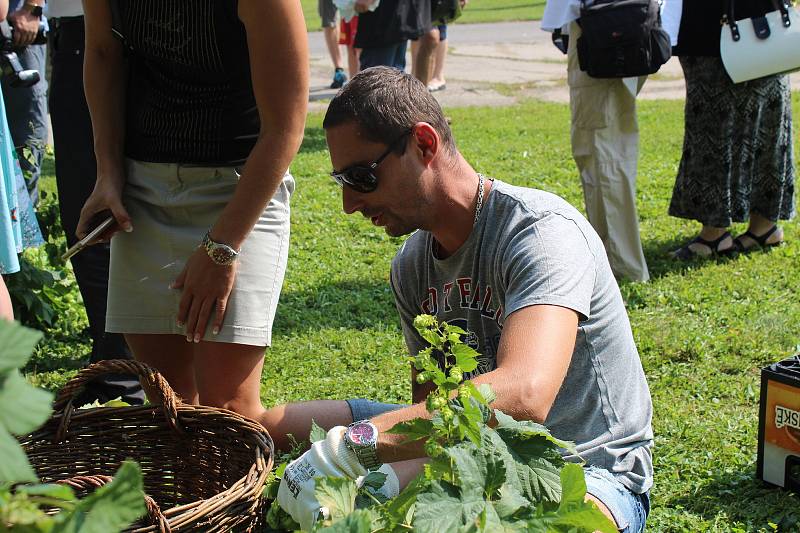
(362, 178)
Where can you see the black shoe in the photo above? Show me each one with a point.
(760, 241)
(685, 253)
(110, 387)
(339, 79)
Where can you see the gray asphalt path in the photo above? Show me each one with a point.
(498, 64)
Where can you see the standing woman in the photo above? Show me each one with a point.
(193, 140)
(737, 162)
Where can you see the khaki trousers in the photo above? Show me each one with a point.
(605, 146)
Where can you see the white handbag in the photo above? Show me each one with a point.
(761, 46)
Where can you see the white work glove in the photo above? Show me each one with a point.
(329, 457)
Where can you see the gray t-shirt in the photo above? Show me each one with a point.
(527, 248)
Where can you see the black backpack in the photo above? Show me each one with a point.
(622, 38)
(445, 11)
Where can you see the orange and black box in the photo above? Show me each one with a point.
(779, 425)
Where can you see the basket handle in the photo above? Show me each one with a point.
(154, 514)
(149, 377)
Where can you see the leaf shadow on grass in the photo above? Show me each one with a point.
(346, 304)
(314, 141)
(743, 498)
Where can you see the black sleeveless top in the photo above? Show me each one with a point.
(190, 95)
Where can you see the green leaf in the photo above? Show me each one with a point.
(573, 484)
(400, 509)
(338, 494)
(486, 391)
(51, 490)
(573, 515)
(23, 407)
(112, 507)
(469, 419)
(466, 357)
(432, 337)
(14, 466)
(359, 521)
(508, 427)
(451, 329)
(414, 430)
(511, 501)
(374, 480)
(532, 465)
(16, 345)
(317, 433)
(480, 472)
(444, 510)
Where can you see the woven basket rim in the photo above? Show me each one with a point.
(245, 490)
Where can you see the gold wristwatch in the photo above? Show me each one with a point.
(220, 253)
(33, 8)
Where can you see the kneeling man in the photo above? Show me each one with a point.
(519, 269)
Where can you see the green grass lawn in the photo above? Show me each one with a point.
(703, 329)
(476, 11)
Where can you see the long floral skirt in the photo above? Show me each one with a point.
(737, 147)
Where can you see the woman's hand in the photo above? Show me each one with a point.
(206, 287)
(107, 195)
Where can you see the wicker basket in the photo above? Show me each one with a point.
(204, 468)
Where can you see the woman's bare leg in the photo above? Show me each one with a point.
(438, 64)
(172, 356)
(229, 376)
(6, 311)
(353, 65)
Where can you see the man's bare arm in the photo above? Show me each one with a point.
(533, 357)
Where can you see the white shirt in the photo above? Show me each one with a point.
(63, 8)
(559, 14)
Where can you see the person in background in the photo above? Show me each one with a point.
(330, 30)
(26, 107)
(737, 163)
(383, 34)
(76, 171)
(19, 228)
(347, 37)
(605, 145)
(423, 51)
(437, 81)
(193, 140)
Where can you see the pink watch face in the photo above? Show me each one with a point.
(361, 434)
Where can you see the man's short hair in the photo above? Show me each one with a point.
(385, 102)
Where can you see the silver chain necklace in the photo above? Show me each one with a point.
(479, 204)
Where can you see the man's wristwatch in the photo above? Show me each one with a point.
(362, 438)
(33, 9)
(220, 253)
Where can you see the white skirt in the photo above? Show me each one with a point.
(171, 208)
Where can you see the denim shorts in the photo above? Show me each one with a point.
(629, 510)
(366, 409)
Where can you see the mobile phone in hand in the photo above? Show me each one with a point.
(101, 223)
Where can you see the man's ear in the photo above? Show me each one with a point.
(426, 141)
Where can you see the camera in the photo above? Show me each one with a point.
(9, 62)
